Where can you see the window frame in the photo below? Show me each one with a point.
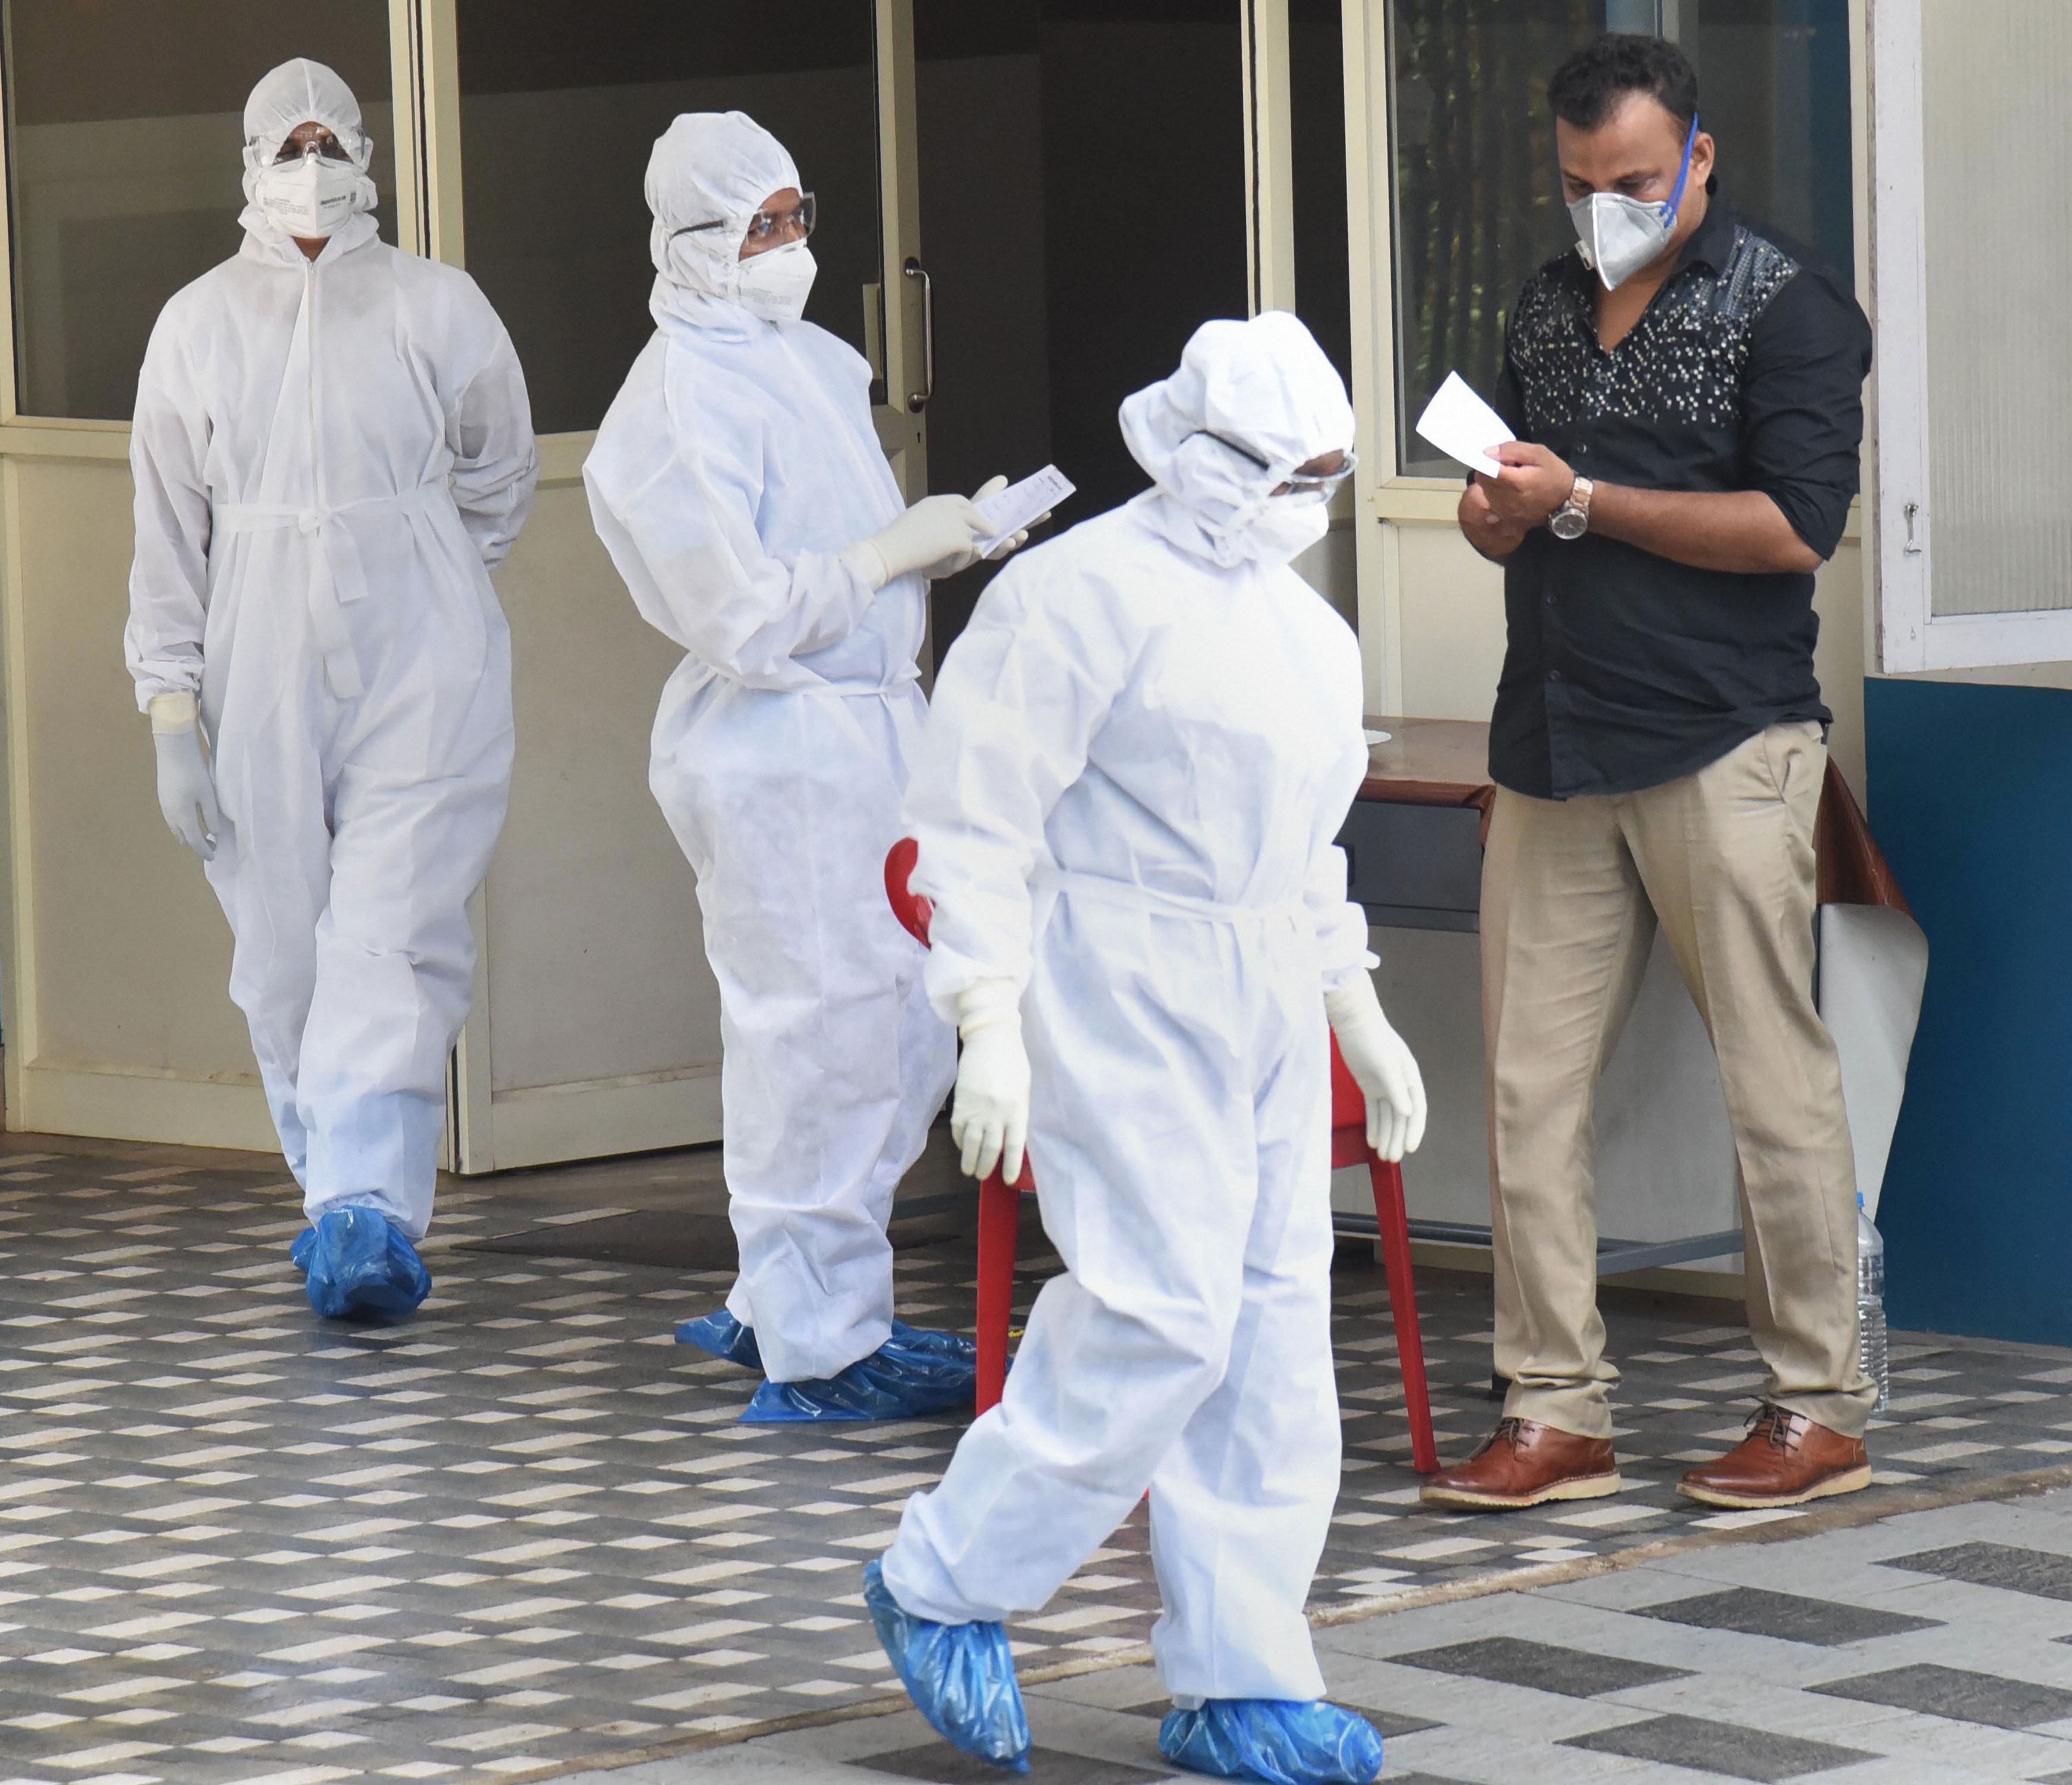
(1911, 636)
(97, 437)
(1388, 499)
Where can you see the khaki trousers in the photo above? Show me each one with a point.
(1571, 892)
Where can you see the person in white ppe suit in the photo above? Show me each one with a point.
(332, 449)
(738, 484)
(1140, 753)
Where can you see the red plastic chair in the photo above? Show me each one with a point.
(1000, 1213)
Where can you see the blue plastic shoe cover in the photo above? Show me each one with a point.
(724, 1336)
(961, 1675)
(933, 1339)
(913, 1374)
(358, 1261)
(1273, 1741)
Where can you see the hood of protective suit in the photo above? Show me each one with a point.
(709, 167)
(1263, 388)
(302, 91)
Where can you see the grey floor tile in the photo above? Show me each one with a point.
(1958, 1693)
(1792, 1617)
(1137, 1688)
(940, 1764)
(1573, 1673)
(2036, 1572)
(1726, 1749)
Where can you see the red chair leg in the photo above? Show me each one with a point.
(999, 1230)
(1393, 1218)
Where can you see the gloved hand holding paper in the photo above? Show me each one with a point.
(1463, 426)
(1020, 506)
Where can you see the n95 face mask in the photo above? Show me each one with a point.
(1618, 236)
(1290, 525)
(310, 197)
(775, 284)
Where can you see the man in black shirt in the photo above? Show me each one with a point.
(1687, 396)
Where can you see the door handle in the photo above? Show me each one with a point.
(918, 400)
(1910, 550)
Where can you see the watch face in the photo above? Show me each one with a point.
(1567, 523)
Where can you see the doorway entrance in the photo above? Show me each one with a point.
(1025, 206)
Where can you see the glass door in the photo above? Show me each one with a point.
(596, 1024)
(1082, 196)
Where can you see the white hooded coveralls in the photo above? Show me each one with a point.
(330, 458)
(1126, 797)
(737, 461)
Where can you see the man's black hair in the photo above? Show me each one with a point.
(1588, 88)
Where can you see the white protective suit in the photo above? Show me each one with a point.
(737, 462)
(1140, 753)
(330, 458)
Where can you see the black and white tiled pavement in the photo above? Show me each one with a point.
(1931, 1648)
(523, 1532)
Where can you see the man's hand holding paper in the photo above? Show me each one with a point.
(1532, 483)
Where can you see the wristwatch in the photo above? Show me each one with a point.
(1571, 519)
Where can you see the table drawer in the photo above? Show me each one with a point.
(1415, 867)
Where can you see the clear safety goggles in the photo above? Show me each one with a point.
(769, 228)
(325, 147)
(1297, 483)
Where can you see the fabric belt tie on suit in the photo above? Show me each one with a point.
(337, 578)
(1048, 882)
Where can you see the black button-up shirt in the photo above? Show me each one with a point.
(1625, 669)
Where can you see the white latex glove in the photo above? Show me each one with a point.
(937, 536)
(1382, 1066)
(989, 1115)
(186, 790)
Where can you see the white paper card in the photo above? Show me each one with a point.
(1463, 426)
(1021, 504)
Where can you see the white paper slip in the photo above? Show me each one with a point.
(1021, 504)
(1463, 426)
(1374, 738)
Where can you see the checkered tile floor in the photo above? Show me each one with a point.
(523, 1531)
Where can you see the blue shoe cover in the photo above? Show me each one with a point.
(961, 1675)
(724, 1336)
(358, 1261)
(937, 1343)
(1274, 1742)
(912, 1375)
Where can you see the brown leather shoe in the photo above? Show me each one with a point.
(1524, 1464)
(1786, 1460)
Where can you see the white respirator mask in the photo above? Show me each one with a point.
(1618, 236)
(310, 198)
(1290, 525)
(775, 283)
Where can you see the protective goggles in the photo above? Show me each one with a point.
(768, 228)
(1297, 482)
(325, 147)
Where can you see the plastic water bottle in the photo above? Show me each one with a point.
(1870, 1305)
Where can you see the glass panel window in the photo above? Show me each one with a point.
(1317, 102)
(125, 133)
(1478, 189)
(556, 123)
(1082, 167)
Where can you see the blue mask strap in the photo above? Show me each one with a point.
(1676, 198)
